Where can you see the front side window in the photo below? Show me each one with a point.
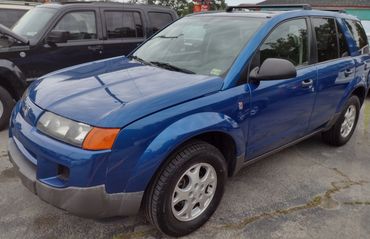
(205, 45)
(159, 20)
(326, 38)
(33, 22)
(121, 24)
(359, 35)
(78, 25)
(288, 41)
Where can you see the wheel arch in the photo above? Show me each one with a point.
(360, 92)
(12, 79)
(214, 128)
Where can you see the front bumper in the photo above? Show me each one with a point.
(93, 202)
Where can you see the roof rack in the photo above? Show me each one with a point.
(259, 7)
(20, 3)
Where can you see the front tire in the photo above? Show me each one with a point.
(343, 129)
(6, 105)
(188, 190)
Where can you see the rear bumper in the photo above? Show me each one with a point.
(93, 202)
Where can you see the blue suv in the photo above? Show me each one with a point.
(163, 128)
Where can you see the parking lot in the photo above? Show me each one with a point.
(307, 191)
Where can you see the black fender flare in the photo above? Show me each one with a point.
(12, 78)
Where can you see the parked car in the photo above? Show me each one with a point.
(12, 11)
(54, 36)
(164, 127)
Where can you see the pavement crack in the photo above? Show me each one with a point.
(354, 203)
(324, 200)
(136, 234)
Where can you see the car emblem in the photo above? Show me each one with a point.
(25, 109)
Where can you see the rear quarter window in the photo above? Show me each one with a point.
(159, 20)
(359, 35)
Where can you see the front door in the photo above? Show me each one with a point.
(82, 43)
(281, 109)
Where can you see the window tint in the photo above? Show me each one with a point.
(359, 35)
(343, 46)
(326, 38)
(288, 41)
(9, 16)
(159, 20)
(78, 25)
(122, 24)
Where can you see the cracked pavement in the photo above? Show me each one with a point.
(310, 190)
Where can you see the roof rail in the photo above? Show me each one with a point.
(259, 7)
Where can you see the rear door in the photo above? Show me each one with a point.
(123, 30)
(281, 109)
(335, 68)
(158, 20)
(361, 56)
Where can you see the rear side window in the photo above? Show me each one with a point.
(359, 35)
(78, 25)
(326, 38)
(159, 20)
(123, 24)
(9, 16)
(343, 46)
(288, 41)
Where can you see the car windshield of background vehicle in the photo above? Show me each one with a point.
(9, 16)
(33, 22)
(203, 45)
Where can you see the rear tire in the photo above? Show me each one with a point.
(6, 106)
(343, 129)
(188, 189)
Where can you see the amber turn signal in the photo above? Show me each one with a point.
(100, 139)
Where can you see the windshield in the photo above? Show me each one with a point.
(33, 22)
(366, 25)
(205, 45)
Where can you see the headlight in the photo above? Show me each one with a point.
(75, 133)
(63, 129)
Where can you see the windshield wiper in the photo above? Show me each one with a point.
(170, 37)
(171, 67)
(140, 60)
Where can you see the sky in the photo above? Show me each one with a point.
(237, 2)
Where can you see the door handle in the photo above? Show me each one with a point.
(348, 72)
(95, 48)
(307, 83)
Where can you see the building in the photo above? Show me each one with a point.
(358, 8)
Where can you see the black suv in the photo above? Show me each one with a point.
(11, 11)
(54, 36)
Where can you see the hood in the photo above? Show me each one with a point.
(117, 91)
(6, 31)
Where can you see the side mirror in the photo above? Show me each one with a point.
(274, 69)
(56, 37)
